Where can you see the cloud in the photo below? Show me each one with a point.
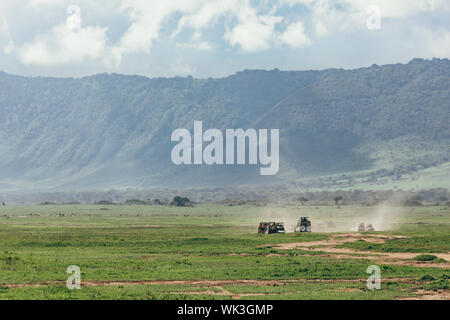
(400, 8)
(63, 45)
(390, 8)
(351, 15)
(249, 27)
(209, 13)
(250, 30)
(253, 32)
(327, 16)
(295, 35)
(122, 35)
(146, 19)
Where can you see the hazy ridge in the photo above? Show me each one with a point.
(113, 131)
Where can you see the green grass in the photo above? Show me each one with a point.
(442, 284)
(207, 242)
(432, 243)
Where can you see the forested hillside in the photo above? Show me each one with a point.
(113, 131)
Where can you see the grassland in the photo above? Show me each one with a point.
(213, 252)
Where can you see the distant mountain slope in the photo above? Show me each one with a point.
(112, 131)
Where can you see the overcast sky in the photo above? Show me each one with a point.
(214, 38)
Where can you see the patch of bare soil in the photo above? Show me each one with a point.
(339, 239)
(430, 295)
(221, 291)
(224, 292)
(28, 285)
(146, 227)
(265, 255)
(208, 292)
(328, 246)
(211, 283)
(346, 290)
(148, 258)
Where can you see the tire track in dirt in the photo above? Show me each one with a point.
(430, 295)
(233, 295)
(395, 258)
(211, 283)
(221, 291)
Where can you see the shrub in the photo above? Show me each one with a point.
(437, 285)
(136, 202)
(427, 277)
(425, 257)
(181, 202)
(104, 203)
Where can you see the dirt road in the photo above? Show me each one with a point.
(329, 247)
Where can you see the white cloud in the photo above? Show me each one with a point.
(123, 33)
(253, 32)
(400, 8)
(390, 8)
(62, 45)
(351, 15)
(209, 13)
(247, 28)
(295, 35)
(251, 36)
(146, 18)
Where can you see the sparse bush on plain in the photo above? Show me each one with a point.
(181, 202)
(104, 203)
(47, 203)
(427, 277)
(136, 202)
(425, 257)
(437, 285)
